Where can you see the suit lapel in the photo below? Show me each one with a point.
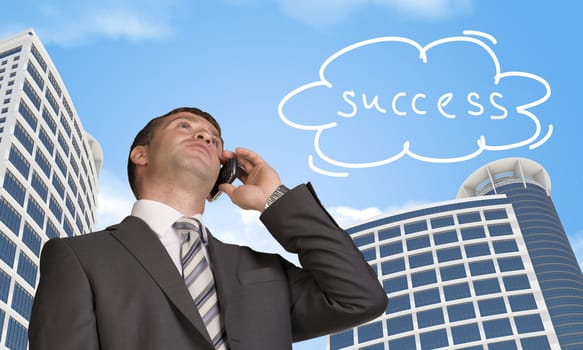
(145, 246)
(224, 258)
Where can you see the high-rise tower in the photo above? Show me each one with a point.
(48, 174)
(492, 269)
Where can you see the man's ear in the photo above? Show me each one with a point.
(139, 155)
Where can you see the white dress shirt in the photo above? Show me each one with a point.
(160, 218)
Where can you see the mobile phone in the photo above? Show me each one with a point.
(227, 174)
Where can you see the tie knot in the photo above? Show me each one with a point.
(184, 226)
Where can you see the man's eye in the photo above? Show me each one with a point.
(184, 125)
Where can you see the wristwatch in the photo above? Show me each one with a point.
(277, 194)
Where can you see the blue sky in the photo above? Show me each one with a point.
(287, 78)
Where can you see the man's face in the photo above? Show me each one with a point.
(185, 142)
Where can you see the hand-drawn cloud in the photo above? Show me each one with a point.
(403, 104)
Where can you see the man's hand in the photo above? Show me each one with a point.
(258, 184)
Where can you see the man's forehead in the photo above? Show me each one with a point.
(189, 116)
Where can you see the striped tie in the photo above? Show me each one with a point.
(199, 279)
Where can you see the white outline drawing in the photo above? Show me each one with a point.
(475, 37)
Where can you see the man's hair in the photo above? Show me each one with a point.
(145, 136)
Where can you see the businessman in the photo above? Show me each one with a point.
(160, 280)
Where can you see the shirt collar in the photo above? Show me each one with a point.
(160, 216)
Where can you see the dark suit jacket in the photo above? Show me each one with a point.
(119, 290)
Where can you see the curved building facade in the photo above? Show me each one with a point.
(528, 187)
(48, 175)
(477, 272)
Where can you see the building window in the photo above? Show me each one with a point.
(495, 214)
(370, 331)
(468, 217)
(391, 249)
(48, 118)
(342, 339)
(23, 137)
(43, 163)
(508, 246)
(434, 339)
(529, 324)
(39, 186)
(415, 227)
(475, 232)
(72, 184)
(39, 58)
(9, 216)
(52, 101)
(36, 212)
(368, 254)
(445, 237)
(405, 343)
(55, 208)
(442, 222)
(449, 254)
(61, 164)
(14, 187)
(395, 284)
(500, 230)
(21, 301)
(32, 95)
(4, 287)
(418, 243)
(65, 125)
(482, 268)
(52, 231)
(63, 143)
(399, 303)
(46, 140)
(16, 336)
(31, 239)
(68, 227)
(510, 264)
(456, 291)
(522, 302)
(540, 343)
(459, 312)
(27, 114)
(35, 75)
(58, 186)
(519, 282)
(427, 297)
(393, 266)
(423, 278)
(497, 328)
(389, 233)
(27, 269)
(487, 286)
(475, 250)
(465, 333)
(363, 240)
(430, 318)
(449, 273)
(494, 306)
(419, 260)
(54, 83)
(400, 324)
(7, 250)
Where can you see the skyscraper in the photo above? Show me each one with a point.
(48, 174)
(492, 269)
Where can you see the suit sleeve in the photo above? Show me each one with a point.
(62, 313)
(336, 288)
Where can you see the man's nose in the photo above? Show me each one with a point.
(203, 136)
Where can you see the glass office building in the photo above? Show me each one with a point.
(48, 175)
(490, 270)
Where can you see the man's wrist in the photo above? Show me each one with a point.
(277, 194)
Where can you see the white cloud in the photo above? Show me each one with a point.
(69, 22)
(347, 216)
(115, 199)
(323, 13)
